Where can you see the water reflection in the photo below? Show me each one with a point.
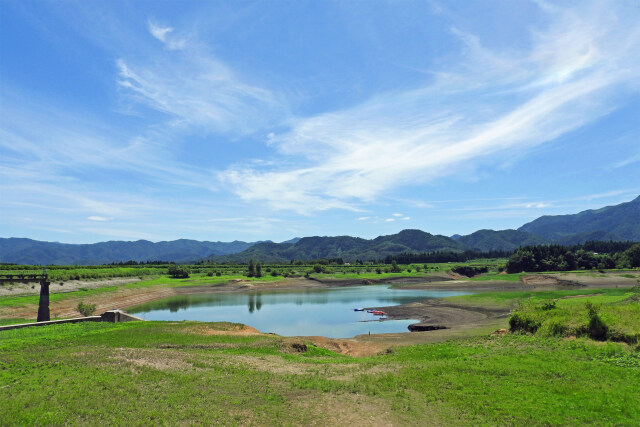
(327, 312)
(254, 301)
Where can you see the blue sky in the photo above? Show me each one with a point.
(260, 120)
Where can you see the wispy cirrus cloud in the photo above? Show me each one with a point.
(99, 218)
(197, 91)
(575, 69)
(163, 34)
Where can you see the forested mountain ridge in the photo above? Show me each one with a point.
(611, 223)
(618, 222)
(504, 240)
(346, 247)
(28, 251)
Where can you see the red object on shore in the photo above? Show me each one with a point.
(378, 312)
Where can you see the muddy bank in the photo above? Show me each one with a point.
(445, 315)
(240, 285)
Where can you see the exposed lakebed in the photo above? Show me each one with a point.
(327, 312)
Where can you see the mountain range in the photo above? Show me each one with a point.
(27, 251)
(620, 222)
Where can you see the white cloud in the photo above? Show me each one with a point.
(538, 205)
(162, 33)
(627, 161)
(406, 218)
(389, 220)
(99, 218)
(397, 214)
(198, 92)
(159, 32)
(494, 104)
(363, 218)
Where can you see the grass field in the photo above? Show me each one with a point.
(144, 373)
(612, 314)
(59, 273)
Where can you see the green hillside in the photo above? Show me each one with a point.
(620, 222)
(509, 240)
(345, 247)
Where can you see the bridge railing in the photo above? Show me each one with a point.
(23, 278)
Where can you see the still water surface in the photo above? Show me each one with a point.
(327, 312)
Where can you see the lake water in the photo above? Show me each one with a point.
(327, 312)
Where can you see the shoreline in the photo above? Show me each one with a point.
(457, 319)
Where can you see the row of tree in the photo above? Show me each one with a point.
(562, 258)
(435, 257)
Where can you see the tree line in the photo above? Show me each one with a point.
(563, 258)
(442, 256)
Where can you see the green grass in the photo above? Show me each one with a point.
(144, 373)
(4, 322)
(513, 298)
(617, 309)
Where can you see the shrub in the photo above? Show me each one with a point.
(86, 309)
(520, 323)
(178, 271)
(553, 328)
(394, 267)
(596, 327)
(549, 305)
(469, 271)
(379, 270)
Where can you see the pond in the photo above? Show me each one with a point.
(327, 312)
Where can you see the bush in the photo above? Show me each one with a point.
(469, 271)
(394, 267)
(549, 305)
(518, 322)
(179, 271)
(86, 309)
(553, 328)
(596, 327)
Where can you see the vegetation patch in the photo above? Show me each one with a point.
(163, 373)
(607, 315)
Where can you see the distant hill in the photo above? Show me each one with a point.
(619, 222)
(504, 240)
(294, 240)
(346, 247)
(27, 251)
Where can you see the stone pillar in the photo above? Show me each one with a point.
(43, 307)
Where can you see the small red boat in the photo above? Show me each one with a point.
(378, 312)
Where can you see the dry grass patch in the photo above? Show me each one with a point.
(160, 359)
(350, 347)
(346, 409)
(222, 329)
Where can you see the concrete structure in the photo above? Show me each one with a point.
(113, 316)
